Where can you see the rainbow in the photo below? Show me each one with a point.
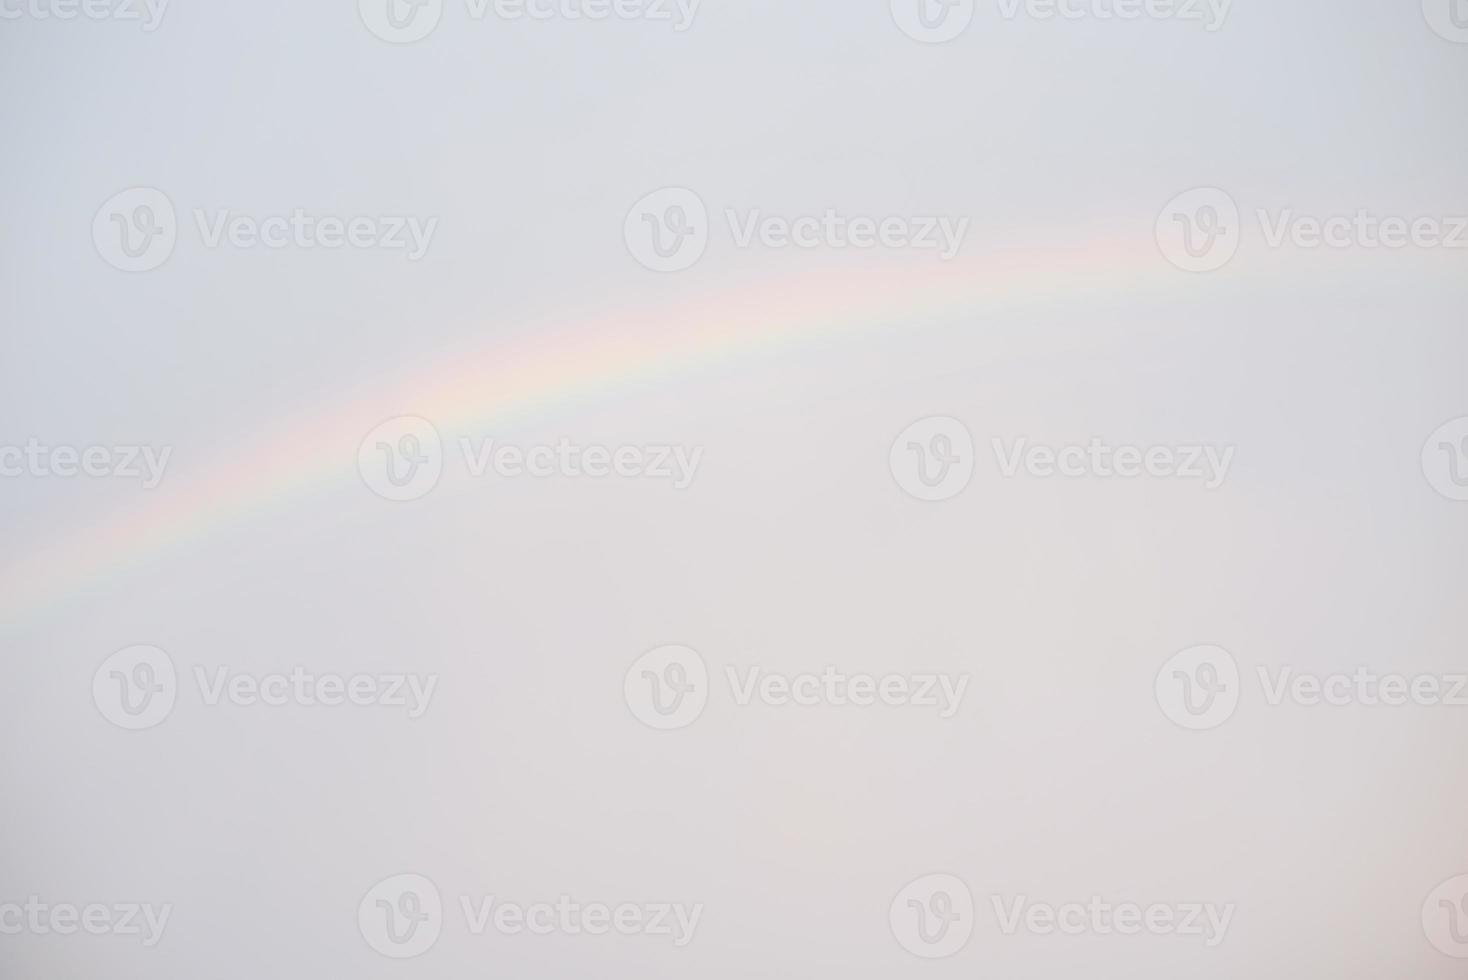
(531, 368)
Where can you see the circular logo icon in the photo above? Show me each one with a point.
(401, 459)
(668, 230)
(1199, 230)
(1449, 18)
(667, 688)
(136, 229)
(933, 459)
(1198, 688)
(400, 21)
(1445, 917)
(933, 21)
(1445, 459)
(402, 916)
(933, 916)
(135, 688)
